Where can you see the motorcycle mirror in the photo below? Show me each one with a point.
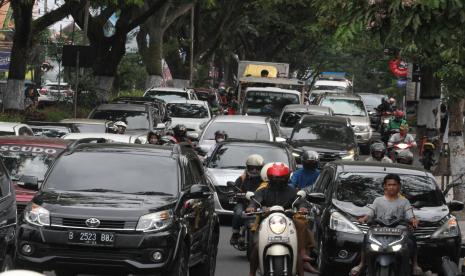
(249, 195)
(301, 194)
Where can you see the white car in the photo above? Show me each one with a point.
(169, 94)
(15, 129)
(116, 138)
(52, 92)
(191, 113)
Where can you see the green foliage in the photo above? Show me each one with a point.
(131, 73)
(11, 117)
(131, 93)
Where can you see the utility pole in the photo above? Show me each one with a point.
(191, 61)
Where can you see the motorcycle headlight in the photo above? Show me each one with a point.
(340, 223)
(277, 224)
(155, 221)
(386, 121)
(350, 154)
(447, 230)
(37, 215)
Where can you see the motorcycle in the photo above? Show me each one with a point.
(387, 251)
(385, 117)
(427, 152)
(277, 239)
(397, 148)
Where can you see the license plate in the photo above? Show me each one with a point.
(387, 231)
(91, 238)
(278, 239)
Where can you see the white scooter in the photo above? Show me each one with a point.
(277, 239)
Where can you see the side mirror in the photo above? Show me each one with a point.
(301, 194)
(455, 205)
(249, 195)
(316, 198)
(29, 182)
(199, 191)
(280, 139)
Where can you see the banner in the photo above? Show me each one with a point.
(4, 61)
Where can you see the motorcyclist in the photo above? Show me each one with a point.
(378, 151)
(220, 136)
(180, 133)
(391, 205)
(307, 175)
(120, 127)
(385, 106)
(154, 138)
(402, 137)
(280, 193)
(397, 120)
(249, 181)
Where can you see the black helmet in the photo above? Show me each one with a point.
(220, 135)
(180, 130)
(405, 157)
(377, 150)
(220, 132)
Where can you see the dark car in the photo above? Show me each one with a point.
(372, 101)
(341, 194)
(331, 137)
(27, 160)
(122, 209)
(7, 220)
(158, 105)
(292, 114)
(227, 163)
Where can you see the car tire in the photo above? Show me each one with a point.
(181, 263)
(207, 267)
(8, 263)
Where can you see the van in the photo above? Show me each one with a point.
(268, 101)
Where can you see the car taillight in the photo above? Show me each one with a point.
(43, 91)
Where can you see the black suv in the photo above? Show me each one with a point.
(341, 194)
(7, 219)
(119, 209)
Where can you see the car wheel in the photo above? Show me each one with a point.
(181, 263)
(7, 263)
(207, 267)
(324, 268)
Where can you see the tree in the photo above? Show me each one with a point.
(25, 37)
(429, 32)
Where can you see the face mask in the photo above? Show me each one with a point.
(219, 140)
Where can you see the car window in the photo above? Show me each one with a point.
(274, 129)
(91, 128)
(245, 131)
(323, 131)
(185, 110)
(372, 100)
(114, 172)
(345, 106)
(134, 119)
(196, 172)
(362, 188)
(268, 103)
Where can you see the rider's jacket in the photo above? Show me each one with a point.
(303, 178)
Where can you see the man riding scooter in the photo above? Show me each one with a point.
(389, 206)
(248, 181)
(280, 193)
(393, 125)
(403, 137)
(378, 151)
(307, 175)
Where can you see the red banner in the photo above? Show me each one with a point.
(398, 67)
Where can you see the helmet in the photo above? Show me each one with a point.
(377, 150)
(264, 171)
(254, 165)
(392, 101)
(120, 124)
(405, 157)
(310, 159)
(20, 273)
(278, 176)
(399, 114)
(220, 133)
(180, 130)
(404, 127)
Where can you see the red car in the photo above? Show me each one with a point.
(27, 159)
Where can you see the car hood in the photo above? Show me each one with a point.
(108, 205)
(427, 214)
(320, 146)
(359, 120)
(189, 122)
(222, 176)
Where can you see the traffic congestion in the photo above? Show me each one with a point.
(303, 181)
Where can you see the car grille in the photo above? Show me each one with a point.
(105, 224)
(420, 233)
(20, 208)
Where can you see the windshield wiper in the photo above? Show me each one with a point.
(98, 190)
(151, 193)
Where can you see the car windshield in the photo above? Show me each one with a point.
(324, 131)
(91, 128)
(98, 171)
(372, 100)
(52, 131)
(167, 95)
(329, 87)
(257, 132)
(185, 110)
(268, 103)
(362, 188)
(234, 156)
(291, 118)
(133, 119)
(28, 160)
(345, 107)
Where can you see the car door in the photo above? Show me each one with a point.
(319, 211)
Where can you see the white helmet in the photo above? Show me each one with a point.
(310, 155)
(20, 273)
(255, 160)
(120, 123)
(263, 172)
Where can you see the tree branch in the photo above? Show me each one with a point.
(146, 14)
(56, 15)
(181, 10)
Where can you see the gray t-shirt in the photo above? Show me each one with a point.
(386, 210)
(384, 160)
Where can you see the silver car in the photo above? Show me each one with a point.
(191, 113)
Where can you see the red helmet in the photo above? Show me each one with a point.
(278, 170)
(399, 114)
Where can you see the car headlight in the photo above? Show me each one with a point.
(277, 224)
(360, 128)
(350, 154)
(155, 221)
(340, 223)
(374, 247)
(37, 215)
(447, 230)
(396, 247)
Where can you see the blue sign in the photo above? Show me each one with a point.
(4, 61)
(401, 83)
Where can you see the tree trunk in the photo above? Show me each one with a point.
(153, 58)
(104, 85)
(457, 148)
(430, 95)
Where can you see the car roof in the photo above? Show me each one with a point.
(111, 136)
(345, 96)
(170, 89)
(242, 119)
(84, 121)
(146, 149)
(360, 166)
(186, 101)
(272, 89)
(323, 118)
(253, 143)
(8, 126)
(35, 141)
(121, 106)
(342, 83)
(303, 107)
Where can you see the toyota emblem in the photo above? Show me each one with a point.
(93, 222)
